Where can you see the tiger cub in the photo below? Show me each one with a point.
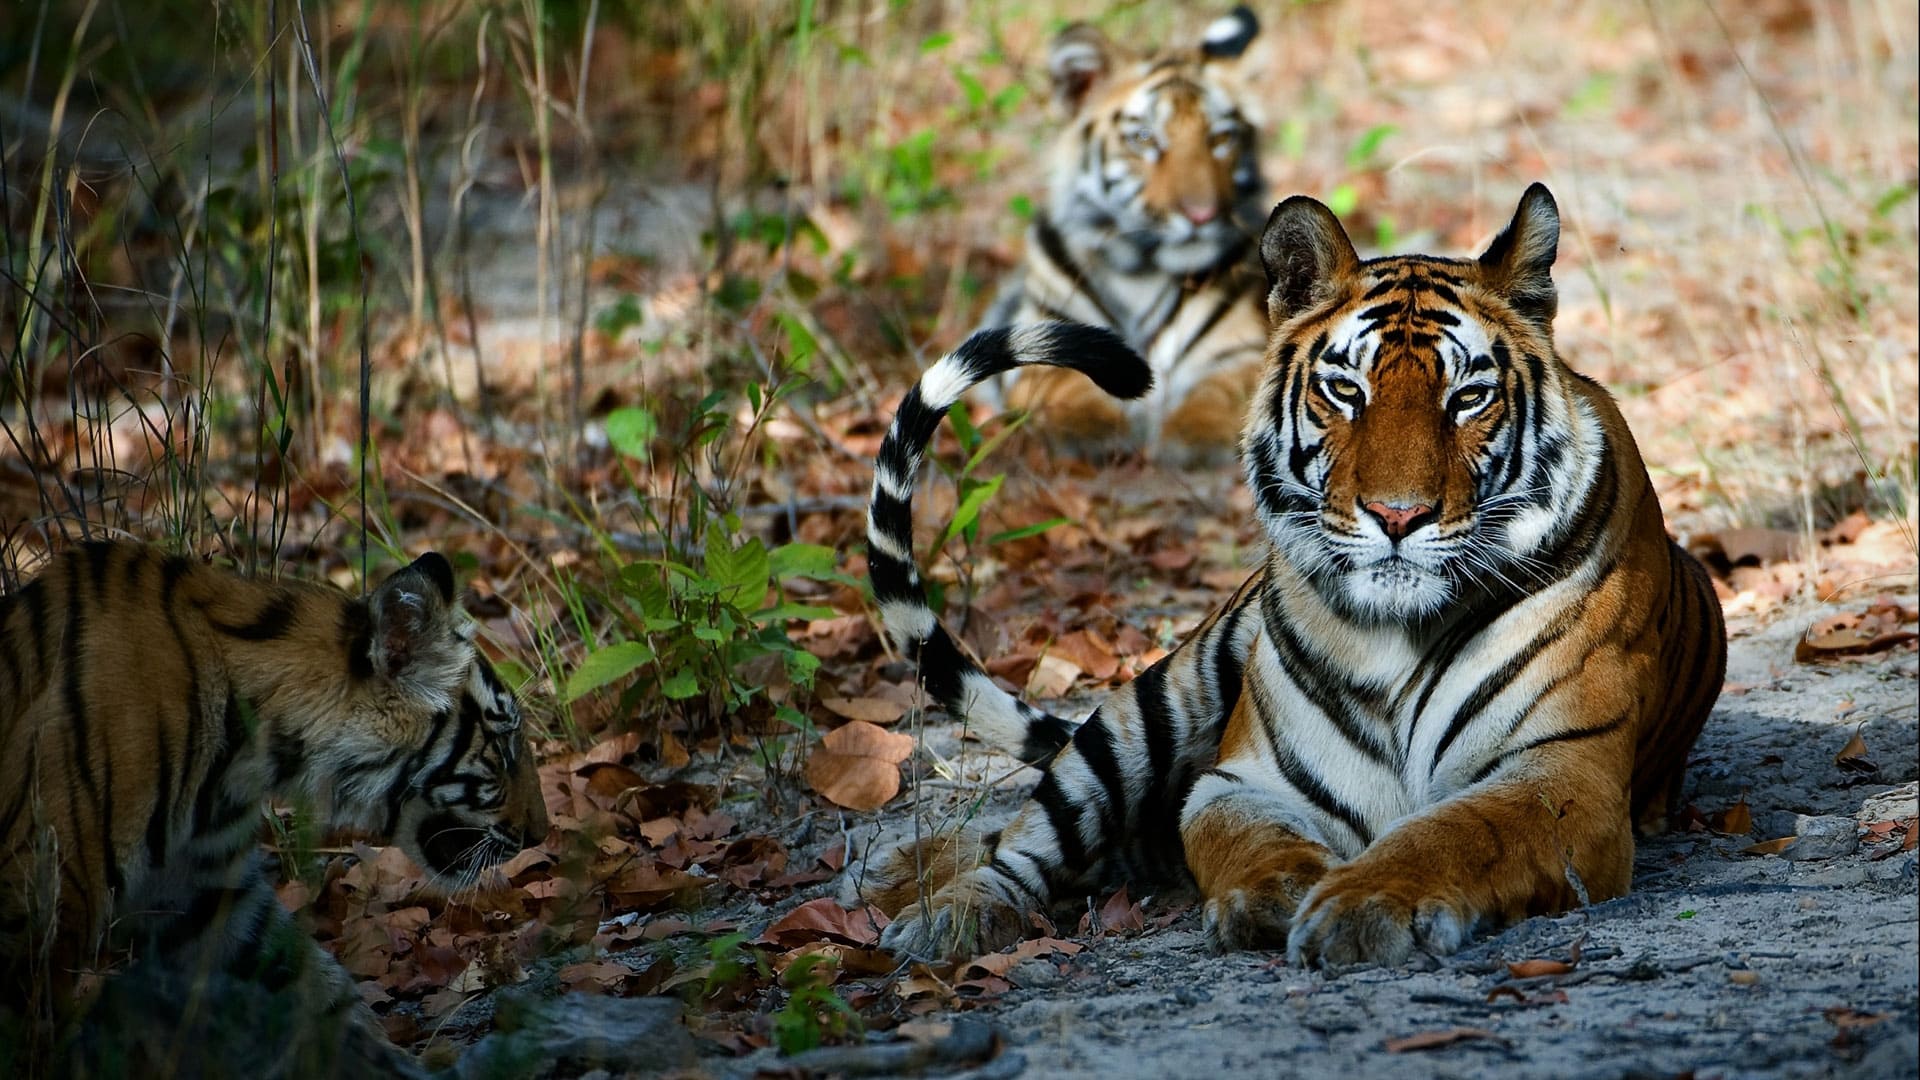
(149, 703)
(1154, 189)
(1470, 663)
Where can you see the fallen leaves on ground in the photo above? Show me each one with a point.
(1735, 820)
(1429, 1040)
(1530, 969)
(858, 766)
(1878, 628)
(1116, 915)
(825, 920)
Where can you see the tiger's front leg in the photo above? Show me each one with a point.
(1548, 828)
(1545, 838)
(1248, 846)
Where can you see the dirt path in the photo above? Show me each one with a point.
(1718, 964)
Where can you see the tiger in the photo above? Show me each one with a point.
(150, 703)
(1154, 190)
(1468, 668)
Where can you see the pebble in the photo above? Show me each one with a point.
(1823, 837)
(1036, 974)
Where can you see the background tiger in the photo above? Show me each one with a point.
(1154, 192)
(1470, 662)
(149, 703)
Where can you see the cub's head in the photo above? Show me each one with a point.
(1414, 439)
(456, 786)
(1156, 169)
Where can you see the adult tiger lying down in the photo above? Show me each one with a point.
(149, 703)
(1470, 663)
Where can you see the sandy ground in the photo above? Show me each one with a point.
(1718, 964)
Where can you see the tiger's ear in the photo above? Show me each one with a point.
(1080, 57)
(1229, 35)
(1518, 265)
(1306, 252)
(410, 611)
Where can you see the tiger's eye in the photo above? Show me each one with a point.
(1343, 391)
(1470, 398)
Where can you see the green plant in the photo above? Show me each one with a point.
(813, 1012)
(975, 490)
(703, 620)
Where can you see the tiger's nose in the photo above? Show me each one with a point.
(1200, 213)
(1399, 521)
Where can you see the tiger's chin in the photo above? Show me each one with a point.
(1393, 590)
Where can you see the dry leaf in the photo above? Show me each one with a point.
(1853, 756)
(608, 779)
(1052, 677)
(825, 920)
(1551, 997)
(1767, 847)
(858, 766)
(1428, 1040)
(1847, 1019)
(595, 977)
(873, 710)
(1735, 820)
(1089, 651)
(1529, 969)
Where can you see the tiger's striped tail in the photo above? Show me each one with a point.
(954, 680)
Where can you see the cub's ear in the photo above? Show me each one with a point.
(1518, 265)
(1229, 35)
(1081, 56)
(1306, 253)
(411, 613)
(435, 568)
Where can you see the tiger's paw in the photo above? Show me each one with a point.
(976, 913)
(1253, 870)
(1246, 919)
(1356, 915)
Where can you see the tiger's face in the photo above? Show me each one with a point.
(464, 794)
(474, 799)
(1412, 441)
(1157, 169)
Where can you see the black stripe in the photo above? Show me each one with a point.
(288, 752)
(157, 820)
(1321, 683)
(356, 639)
(1310, 785)
(171, 571)
(79, 719)
(1054, 247)
(1228, 672)
(403, 784)
(1220, 309)
(1158, 815)
(1569, 735)
(34, 599)
(1064, 816)
(1006, 870)
(213, 808)
(269, 625)
(1296, 773)
(1095, 744)
(1493, 684)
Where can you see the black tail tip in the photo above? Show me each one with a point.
(1101, 355)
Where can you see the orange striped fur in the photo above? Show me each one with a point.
(149, 703)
